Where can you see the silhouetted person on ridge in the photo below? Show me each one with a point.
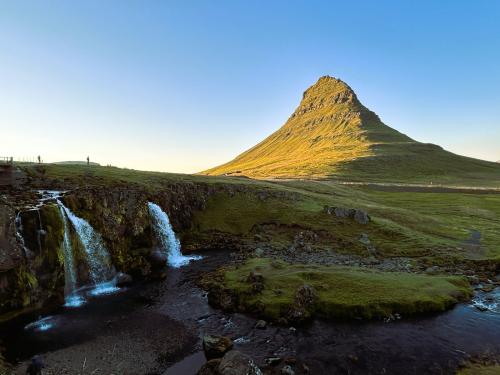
(39, 159)
(88, 160)
(36, 366)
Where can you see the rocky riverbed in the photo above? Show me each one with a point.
(158, 328)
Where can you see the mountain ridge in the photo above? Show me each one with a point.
(331, 134)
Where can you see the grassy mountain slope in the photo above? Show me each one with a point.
(331, 134)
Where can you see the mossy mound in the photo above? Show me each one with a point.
(480, 370)
(284, 292)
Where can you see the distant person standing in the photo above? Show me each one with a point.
(39, 159)
(88, 160)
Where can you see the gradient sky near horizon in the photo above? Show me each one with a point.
(183, 86)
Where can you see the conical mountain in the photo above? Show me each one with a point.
(331, 134)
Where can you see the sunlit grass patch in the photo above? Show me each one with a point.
(341, 292)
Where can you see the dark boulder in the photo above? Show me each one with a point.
(216, 346)
(261, 324)
(344, 212)
(301, 310)
(237, 363)
(158, 259)
(210, 368)
(359, 216)
(123, 279)
(221, 297)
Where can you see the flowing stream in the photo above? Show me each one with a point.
(129, 324)
(119, 331)
(167, 238)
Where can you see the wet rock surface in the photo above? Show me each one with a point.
(216, 346)
(236, 363)
(123, 279)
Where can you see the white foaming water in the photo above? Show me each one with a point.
(72, 298)
(41, 325)
(40, 230)
(19, 236)
(488, 301)
(108, 287)
(98, 258)
(166, 237)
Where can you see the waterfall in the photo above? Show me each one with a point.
(19, 236)
(98, 259)
(39, 232)
(72, 298)
(166, 237)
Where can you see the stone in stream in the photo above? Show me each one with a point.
(237, 363)
(287, 370)
(123, 279)
(210, 368)
(273, 361)
(216, 346)
(158, 258)
(261, 324)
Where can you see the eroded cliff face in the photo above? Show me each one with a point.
(11, 258)
(31, 263)
(122, 217)
(31, 247)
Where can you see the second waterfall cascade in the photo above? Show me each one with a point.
(167, 238)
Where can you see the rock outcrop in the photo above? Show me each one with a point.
(216, 346)
(31, 253)
(305, 296)
(232, 363)
(31, 263)
(357, 215)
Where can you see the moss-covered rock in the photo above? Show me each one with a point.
(4, 368)
(38, 276)
(478, 369)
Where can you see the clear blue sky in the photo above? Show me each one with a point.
(183, 86)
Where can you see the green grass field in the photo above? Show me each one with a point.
(480, 370)
(403, 223)
(341, 292)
